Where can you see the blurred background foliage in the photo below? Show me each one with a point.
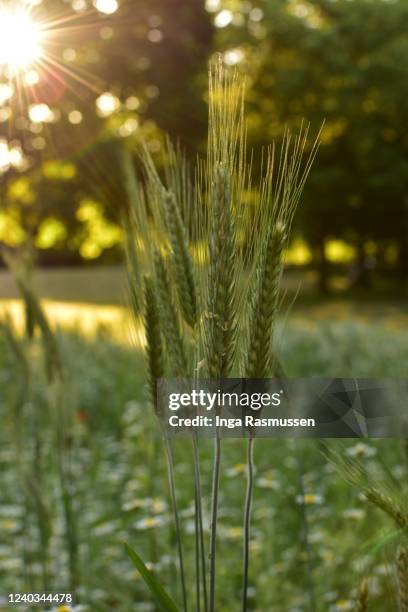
(119, 70)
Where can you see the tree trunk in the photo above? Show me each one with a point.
(360, 274)
(323, 266)
(403, 249)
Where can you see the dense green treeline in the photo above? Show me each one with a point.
(141, 71)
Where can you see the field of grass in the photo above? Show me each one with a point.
(314, 536)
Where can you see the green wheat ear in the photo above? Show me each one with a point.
(402, 571)
(154, 343)
(265, 304)
(171, 327)
(36, 316)
(183, 266)
(222, 280)
(387, 505)
(352, 471)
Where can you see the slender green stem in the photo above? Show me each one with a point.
(199, 523)
(214, 517)
(173, 497)
(402, 571)
(197, 553)
(305, 526)
(199, 532)
(38, 482)
(64, 475)
(153, 483)
(27, 570)
(247, 520)
(155, 360)
(23, 392)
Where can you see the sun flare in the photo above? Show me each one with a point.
(20, 40)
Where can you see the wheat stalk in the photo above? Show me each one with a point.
(402, 571)
(183, 268)
(154, 342)
(155, 357)
(265, 306)
(171, 327)
(221, 310)
(362, 597)
(247, 520)
(223, 161)
(259, 359)
(216, 233)
(382, 497)
(387, 505)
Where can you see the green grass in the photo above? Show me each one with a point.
(119, 485)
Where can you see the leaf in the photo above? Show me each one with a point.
(156, 589)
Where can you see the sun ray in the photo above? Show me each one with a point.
(51, 64)
(60, 22)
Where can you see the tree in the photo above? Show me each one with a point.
(345, 62)
(118, 72)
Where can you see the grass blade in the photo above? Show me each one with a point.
(160, 595)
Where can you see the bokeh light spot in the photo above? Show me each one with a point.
(129, 127)
(132, 103)
(41, 113)
(223, 18)
(212, 6)
(233, 56)
(69, 55)
(75, 117)
(6, 91)
(106, 6)
(106, 104)
(155, 36)
(79, 5)
(31, 78)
